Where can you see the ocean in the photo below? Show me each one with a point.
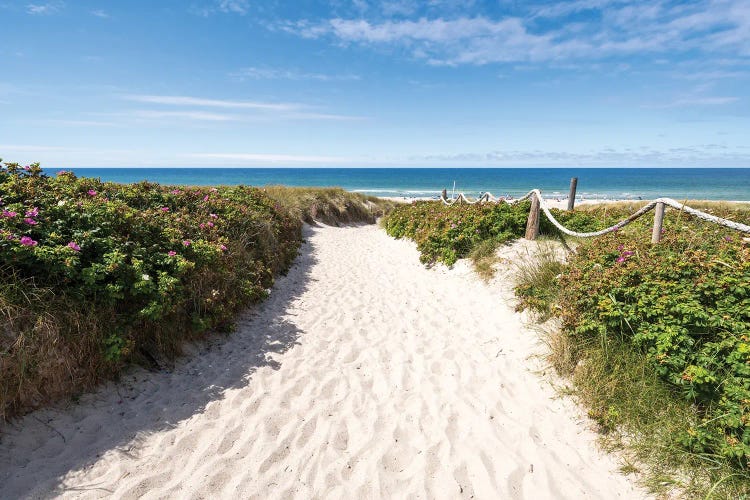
(593, 183)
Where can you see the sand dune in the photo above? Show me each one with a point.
(364, 375)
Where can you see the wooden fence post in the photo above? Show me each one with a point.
(532, 224)
(658, 221)
(572, 195)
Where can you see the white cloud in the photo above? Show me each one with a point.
(44, 9)
(265, 110)
(233, 6)
(622, 28)
(183, 115)
(711, 155)
(253, 73)
(211, 103)
(696, 101)
(100, 13)
(255, 158)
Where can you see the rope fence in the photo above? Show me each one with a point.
(538, 203)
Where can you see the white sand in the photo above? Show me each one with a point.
(364, 375)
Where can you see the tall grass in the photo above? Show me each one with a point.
(537, 279)
(332, 206)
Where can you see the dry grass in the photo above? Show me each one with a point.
(536, 278)
(331, 206)
(483, 257)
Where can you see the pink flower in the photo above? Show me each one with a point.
(627, 254)
(620, 260)
(91, 192)
(213, 216)
(164, 209)
(620, 248)
(62, 172)
(27, 168)
(214, 190)
(202, 225)
(28, 242)
(209, 224)
(9, 214)
(171, 253)
(73, 245)
(206, 198)
(187, 243)
(33, 212)
(175, 191)
(223, 248)
(30, 221)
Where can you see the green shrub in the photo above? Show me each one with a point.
(448, 233)
(95, 273)
(685, 304)
(660, 336)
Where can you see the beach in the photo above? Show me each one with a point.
(363, 375)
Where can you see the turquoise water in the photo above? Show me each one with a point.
(599, 183)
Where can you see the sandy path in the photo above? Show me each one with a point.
(364, 375)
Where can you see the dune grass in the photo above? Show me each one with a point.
(332, 206)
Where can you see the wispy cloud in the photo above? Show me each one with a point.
(260, 158)
(622, 29)
(233, 6)
(236, 110)
(253, 73)
(172, 100)
(696, 101)
(149, 114)
(100, 13)
(692, 155)
(44, 8)
(240, 7)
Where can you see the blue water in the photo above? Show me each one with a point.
(598, 183)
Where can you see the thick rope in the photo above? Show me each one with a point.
(487, 197)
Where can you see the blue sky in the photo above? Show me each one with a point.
(375, 83)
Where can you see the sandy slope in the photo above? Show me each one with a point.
(364, 375)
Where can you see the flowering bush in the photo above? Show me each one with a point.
(684, 304)
(147, 265)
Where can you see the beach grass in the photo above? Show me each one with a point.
(332, 206)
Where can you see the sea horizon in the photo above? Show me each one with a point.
(598, 183)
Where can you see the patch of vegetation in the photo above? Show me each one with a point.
(483, 257)
(658, 340)
(446, 234)
(537, 280)
(332, 206)
(96, 275)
